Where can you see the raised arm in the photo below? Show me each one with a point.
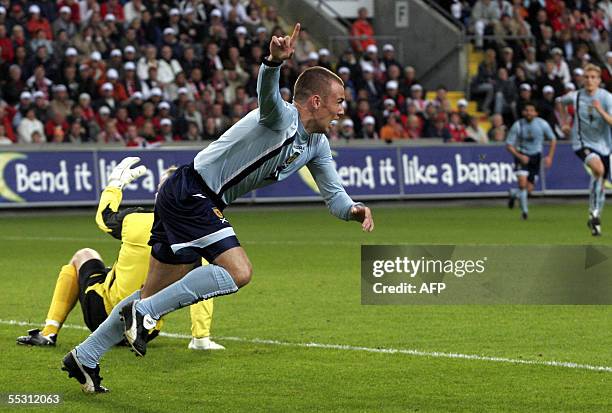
(108, 217)
(274, 113)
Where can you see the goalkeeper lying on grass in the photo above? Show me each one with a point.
(99, 288)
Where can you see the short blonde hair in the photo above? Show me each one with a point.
(314, 81)
(590, 67)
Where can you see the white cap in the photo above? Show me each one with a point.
(169, 30)
(156, 91)
(241, 30)
(112, 74)
(65, 9)
(84, 96)
(569, 86)
(344, 70)
(104, 110)
(609, 54)
(556, 50)
(110, 17)
(587, 57)
(2, 10)
(59, 88)
(182, 90)
(83, 66)
(174, 12)
(165, 122)
(388, 48)
(347, 122)
(129, 49)
(372, 49)
(34, 9)
(38, 94)
(313, 56)
(129, 66)
(368, 120)
(462, 103)
(71, 51)
(261, 29)
(188, 10)
(163, 105)
(367, 68)
(116, 52)
(389, 102)
(215, 13)
(416, 86)
(525, 86)
(137, 95)
(95, 55)
(324, 52)
(548, 89)
(392, 84)
(107, 86)
(25, 95)
(578, 71)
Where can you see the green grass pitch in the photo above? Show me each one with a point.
(306, 288)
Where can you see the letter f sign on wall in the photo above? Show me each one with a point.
(401, 14)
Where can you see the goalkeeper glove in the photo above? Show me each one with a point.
(123, 175)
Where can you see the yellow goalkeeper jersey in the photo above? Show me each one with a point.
(132, 226)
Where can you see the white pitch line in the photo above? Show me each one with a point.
(343, 347)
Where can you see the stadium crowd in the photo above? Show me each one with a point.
(144, 72)
(535, 50)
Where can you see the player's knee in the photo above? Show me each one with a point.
(83, 255)
(242, 273)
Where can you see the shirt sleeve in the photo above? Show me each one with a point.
(568, 99)
(324, 172)
(274, 112)
(513, 134)
(108, 216)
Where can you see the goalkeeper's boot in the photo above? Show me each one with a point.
(204, 343)
(35, 338)
(88, 378)
(594, 225)
(135, 331)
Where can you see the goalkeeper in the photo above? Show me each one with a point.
(98, 288)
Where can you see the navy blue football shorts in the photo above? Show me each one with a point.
(531, 170)
(187, 223)
(586, 154)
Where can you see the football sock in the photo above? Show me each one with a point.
(514, 193)
(201, 318)
(601, 197)
(199, 284)
(596, 196)
(523, 200)
(65, 296)
(109, 333)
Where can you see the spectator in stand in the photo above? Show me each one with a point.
(30, 125)
(475, 133)
(362, 31)
(347, 130)
(388, 57)
(414, 127)
(416, 97)
(532, 68)
(578, 78)
(484, 15)
(462, 110)
(498, 130)
(441, 100)
(408, 81)
(456, 128)
(304, 46)
(483, 84)
(438, 129)
(546, 105)
(393, 129)
(561, 69)
(549, 77)
(37, 22)
(505, 96)
(368, 128)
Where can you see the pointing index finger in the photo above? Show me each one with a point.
(295, 34)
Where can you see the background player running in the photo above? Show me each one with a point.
(525, 142)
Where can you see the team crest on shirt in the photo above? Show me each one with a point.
(297, 151)
(218, 213)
